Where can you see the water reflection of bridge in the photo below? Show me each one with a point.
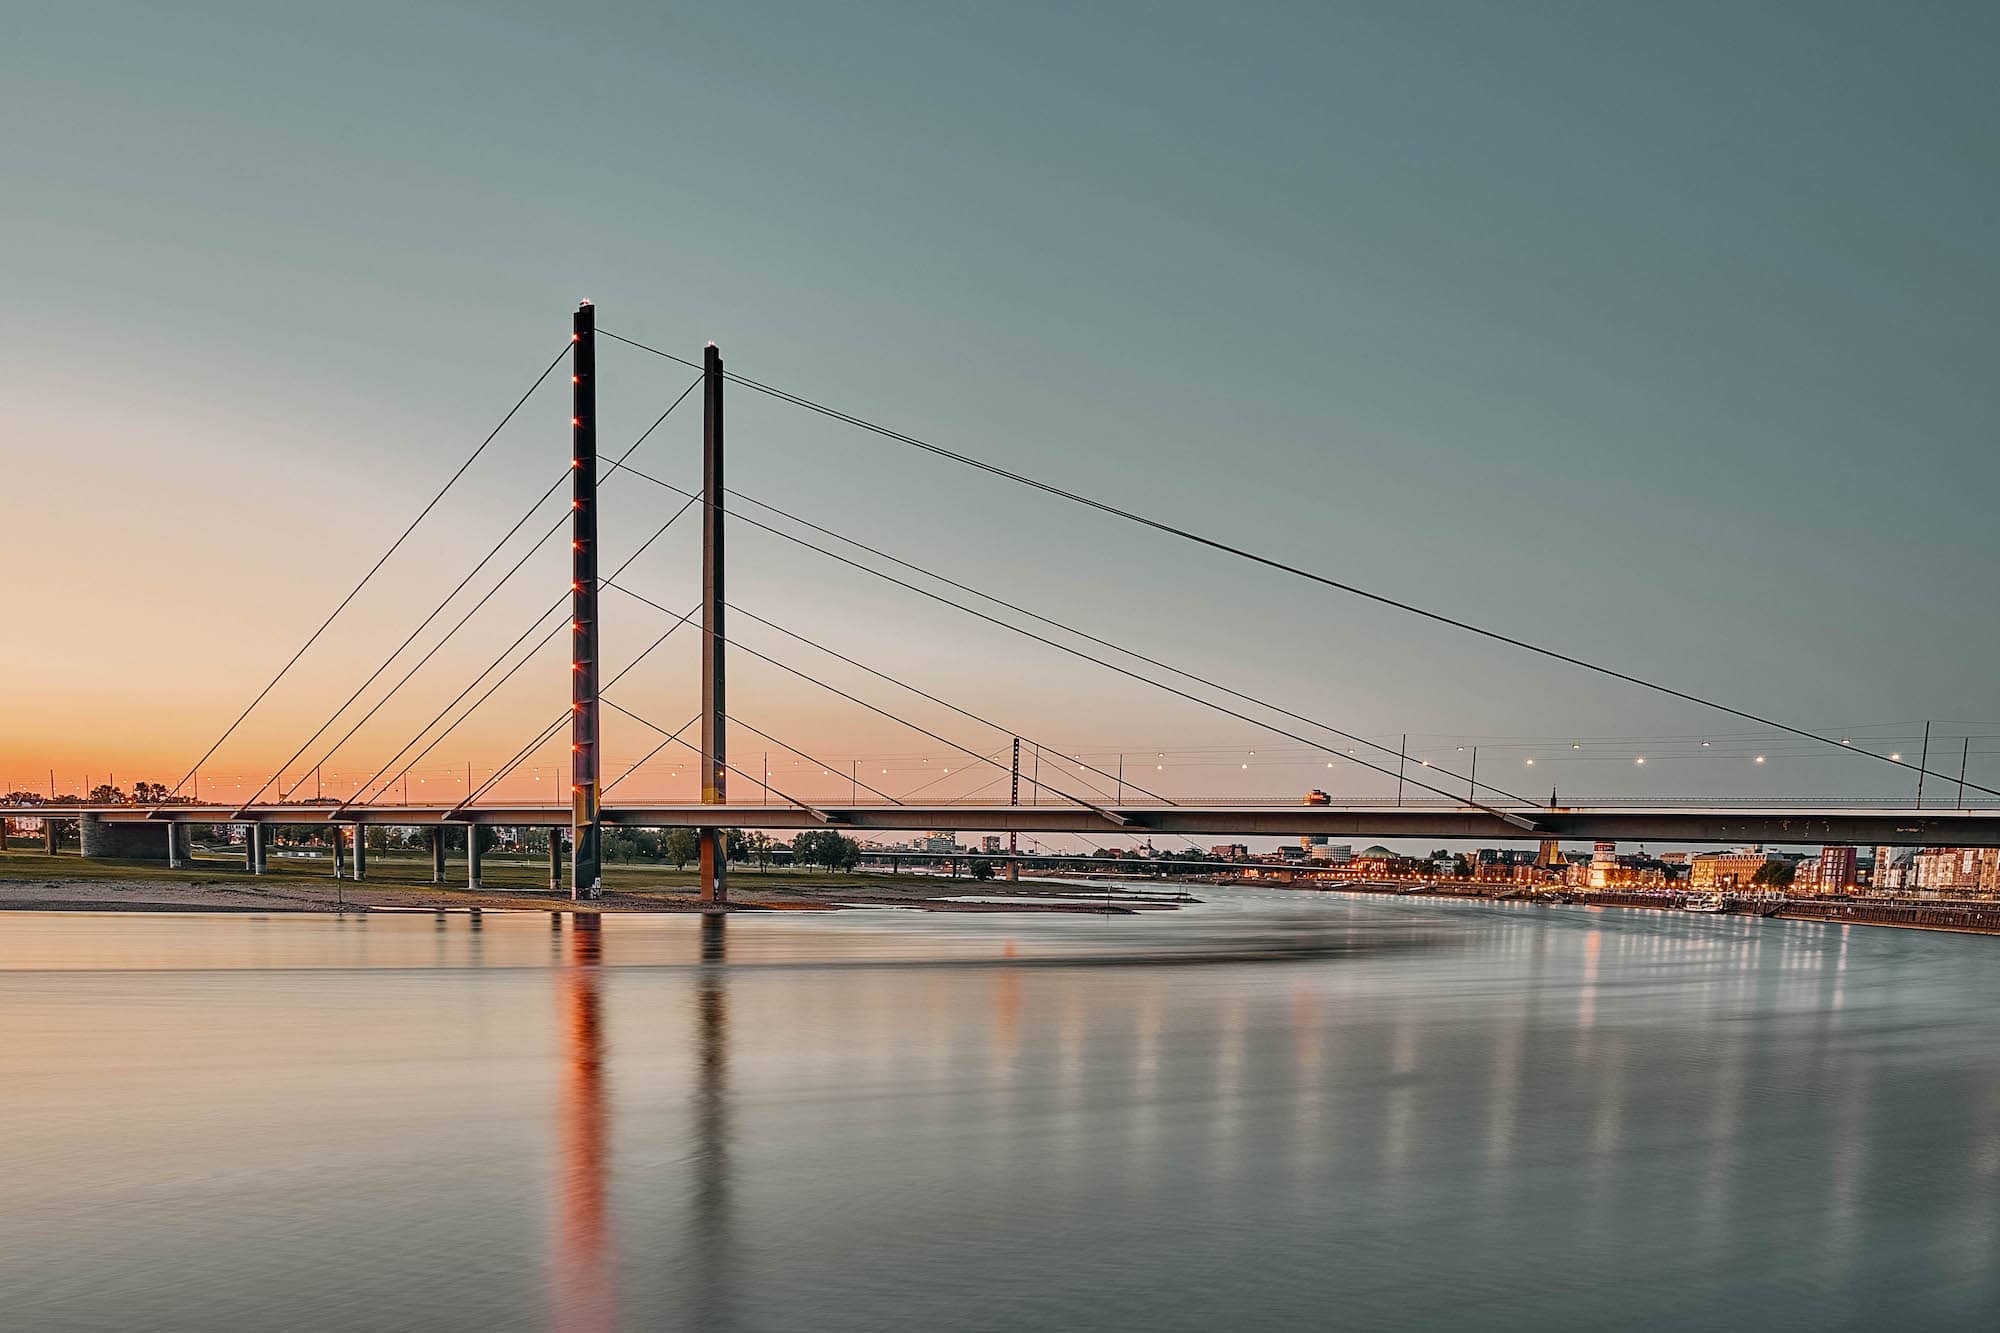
(584, 1278)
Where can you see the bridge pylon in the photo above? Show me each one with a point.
(586, 852)
(714, 842)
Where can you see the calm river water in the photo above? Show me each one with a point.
(1272, 1111)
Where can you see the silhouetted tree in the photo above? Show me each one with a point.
(681, 847)
(1775, 874)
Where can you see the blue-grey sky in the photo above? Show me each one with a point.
(1660, 333)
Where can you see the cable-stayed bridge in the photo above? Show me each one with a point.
(1433, 800)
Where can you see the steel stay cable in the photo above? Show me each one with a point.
(1296, 571)
(438, 647)
(550, 730)
(1124, 671)
(1503, 816)
(648, 756)
(450, 633)
(419, 757)
(453, 631)
(374, 675)
(503, 680)
(962, 712)
(547, 734)
(1085, 635)
(553, 631)
(893, 717)
(372, 571)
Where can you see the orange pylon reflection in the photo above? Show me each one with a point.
(585, 1296)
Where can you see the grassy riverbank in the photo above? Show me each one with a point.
(30, 880)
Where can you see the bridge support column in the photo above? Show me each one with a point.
(360, 851)
(339, 850)
(437, 852)
(555, 860)
(586, 851)
(3, 835)
(253, 848)
(173, 845)
(472, 857)
(49, 827)
(713, 842)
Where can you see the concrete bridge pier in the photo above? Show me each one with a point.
(3, 835)
(437, 853)
(360, 852)
(49, 835)
(123, 840)
(555, 860)
(339, 850)
(253, 848)
(472, 857)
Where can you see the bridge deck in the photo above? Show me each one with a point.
(1636, 823)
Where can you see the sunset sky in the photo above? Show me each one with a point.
(1659, 334)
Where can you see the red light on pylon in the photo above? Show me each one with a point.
(576, 546)
(576, 504)
(576, 379)
(576, 625)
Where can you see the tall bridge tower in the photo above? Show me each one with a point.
(586, 852)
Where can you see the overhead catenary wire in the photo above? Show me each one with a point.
(1286, 567)
(675, 737)
(928, 783)
(820, 763)
(373, 569)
